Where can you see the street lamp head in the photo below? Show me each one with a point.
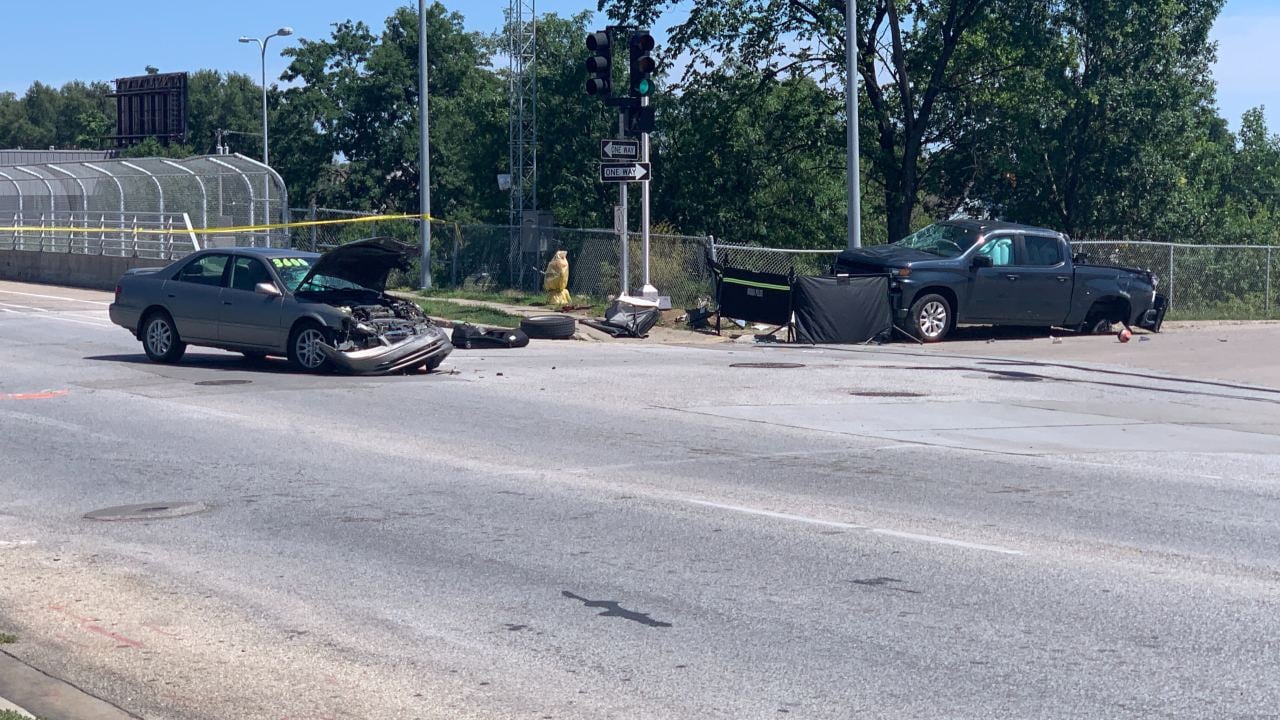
(244, 39)
(286, 30)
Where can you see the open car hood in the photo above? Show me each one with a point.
(364, 262)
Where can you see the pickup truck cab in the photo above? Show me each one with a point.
(996, 273)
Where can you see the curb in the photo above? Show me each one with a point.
(33, 692)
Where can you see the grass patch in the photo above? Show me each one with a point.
(510, 297)
(468, 313)
(7, 639)
(11, 715)
(516, 297)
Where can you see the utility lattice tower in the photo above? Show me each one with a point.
(524, 125)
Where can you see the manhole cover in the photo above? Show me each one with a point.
(886, 394)
(1020, 377)
(148, 511)
(224, 382)
(768, 365)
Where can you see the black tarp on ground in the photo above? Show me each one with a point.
(753, 296)
(841, 310)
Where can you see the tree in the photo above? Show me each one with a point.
(359, 104)
(569, 127)
(1104, 126)
(906, 56)
(748, 157)
(224, 102)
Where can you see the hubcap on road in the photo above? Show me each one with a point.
(159, 337)
(933, 319)
(309, 352)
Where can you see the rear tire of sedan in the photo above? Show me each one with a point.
(160, 338)
(930, 318)
(304, 347)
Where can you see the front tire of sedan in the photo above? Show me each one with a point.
(931, 317)
(304, 347)
(160, 338)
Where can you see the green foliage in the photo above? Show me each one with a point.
(750, 158)
(351, 138)
(1092, 116)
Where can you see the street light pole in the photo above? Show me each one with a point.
(851, 102)
(424, 148)
(266, 152)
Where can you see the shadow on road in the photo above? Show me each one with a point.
(236, 363)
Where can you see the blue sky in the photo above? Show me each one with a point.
(94, 41)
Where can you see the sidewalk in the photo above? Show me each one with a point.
(27, 691)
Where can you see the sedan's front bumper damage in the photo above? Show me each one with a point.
(408, 354)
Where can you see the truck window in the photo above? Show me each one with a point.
(999, 249)
(1042, 251)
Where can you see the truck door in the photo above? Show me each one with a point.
(991, 291)
(1046, 280)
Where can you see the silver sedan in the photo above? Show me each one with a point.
(322, 312)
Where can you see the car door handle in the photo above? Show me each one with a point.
(226, 302)
(1012, 278)
(1063, 278)
(172, 295)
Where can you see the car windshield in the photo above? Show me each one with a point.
(944, 240)
(293, 270)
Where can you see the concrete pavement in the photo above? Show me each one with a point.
(598, 530)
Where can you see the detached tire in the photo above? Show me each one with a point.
(931, 318)
(549, 327)
(160, 338)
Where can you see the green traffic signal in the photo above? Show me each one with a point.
(644, 87)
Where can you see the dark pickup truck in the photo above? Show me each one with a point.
(995, 273)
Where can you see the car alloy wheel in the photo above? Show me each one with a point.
(933, 319)
(159, 336)
(307, 348)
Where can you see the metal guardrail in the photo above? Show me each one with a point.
(157, 236)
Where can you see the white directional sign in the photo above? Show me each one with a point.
(619, 149)
(624, 172)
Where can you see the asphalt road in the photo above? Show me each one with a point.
(624, 530)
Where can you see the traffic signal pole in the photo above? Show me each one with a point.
(622, 229)
(648, 291)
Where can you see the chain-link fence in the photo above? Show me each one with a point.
(478, 257)
(213, 191)
(1201, 281)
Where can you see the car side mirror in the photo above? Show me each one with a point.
(983, 261)
(268, 289)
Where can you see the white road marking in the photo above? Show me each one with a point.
(54, 297)
(7, 544)
(50, 316)
(918, 537)
(24, 307)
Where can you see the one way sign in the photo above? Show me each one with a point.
(619, 149)
(624, 172)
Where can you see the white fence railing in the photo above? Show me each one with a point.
(160, 236)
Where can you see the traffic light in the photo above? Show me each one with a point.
(600, 64)
(639, 120)
(642, 64)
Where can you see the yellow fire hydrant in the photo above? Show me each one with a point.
(556, 282)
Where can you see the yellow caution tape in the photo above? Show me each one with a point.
(215, 231)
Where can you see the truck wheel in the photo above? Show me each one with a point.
(931, 317)
(1096, 325)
